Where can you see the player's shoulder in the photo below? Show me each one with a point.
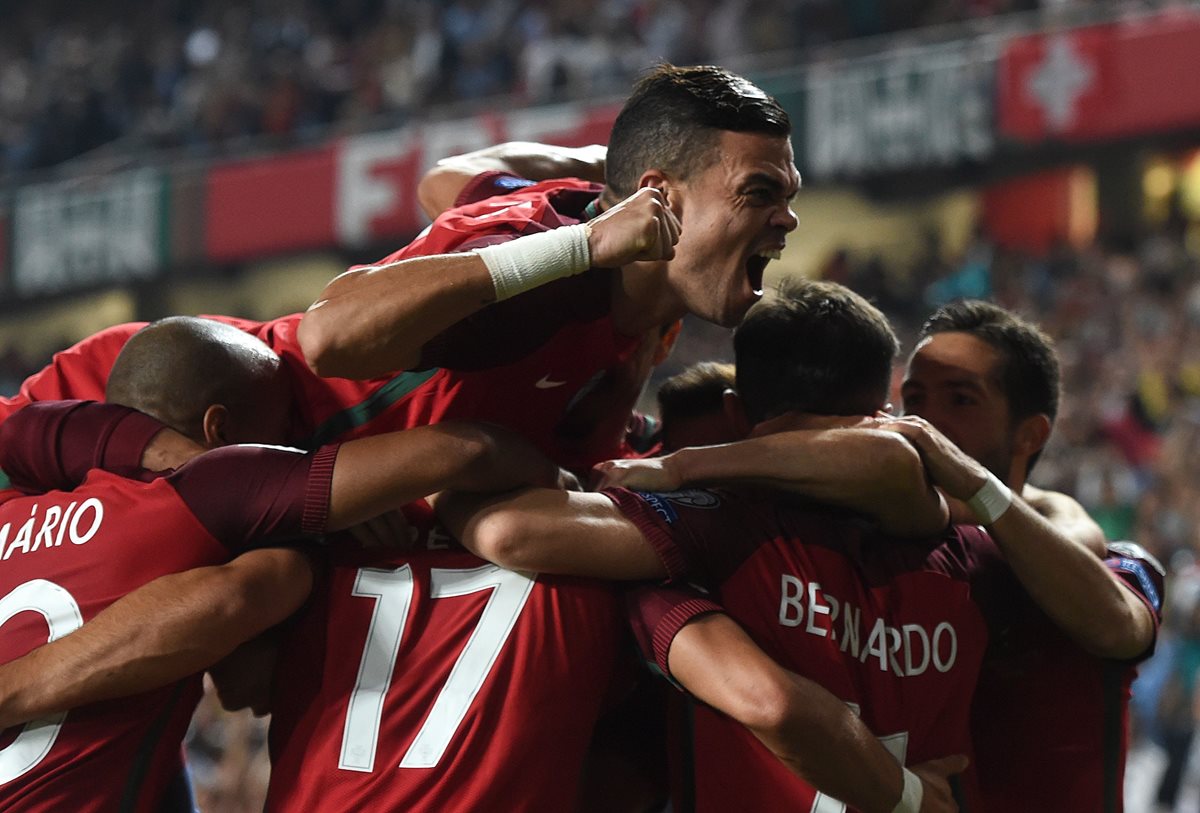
(966, 551)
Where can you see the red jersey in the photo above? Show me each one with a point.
(1050, 721)
(65, 556)
(434, 681)
(539, 363)
(889, 627)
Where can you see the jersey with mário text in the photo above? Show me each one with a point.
(890, 627)
(435, 681)
(1050, 721)
(65, 556)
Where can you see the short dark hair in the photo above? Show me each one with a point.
(175, 368)
(1029, 373)
(672, 119)
(698, 390)
(814, 347)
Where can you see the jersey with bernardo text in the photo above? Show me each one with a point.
(888, 626)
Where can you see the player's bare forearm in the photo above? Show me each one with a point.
(1066, 514)
(873, 472)
(378, 474)
(813, 733)
(544, 531)
(1072, 585)
(375, 320)
(441, 185)
(171, 627)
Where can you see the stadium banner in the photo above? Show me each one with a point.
(96, 230)
(1102, 82)
(377, 173)
(257, 208)
(909, 108)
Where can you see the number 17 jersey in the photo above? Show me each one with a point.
(435, 682)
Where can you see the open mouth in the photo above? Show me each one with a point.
(756, 267)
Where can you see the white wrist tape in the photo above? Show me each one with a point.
(914, 791)
(991, 500)
(535, 259)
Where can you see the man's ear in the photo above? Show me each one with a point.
(735, 413)
(659, 180)
(1031, 435)
(215, 426)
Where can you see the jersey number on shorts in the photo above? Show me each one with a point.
(895, 744)
(393, 591)
(62, 615)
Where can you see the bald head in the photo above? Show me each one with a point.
(180, 368)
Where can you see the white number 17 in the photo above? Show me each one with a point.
(393, 592)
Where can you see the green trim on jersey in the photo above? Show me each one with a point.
(370, 408)
(4, 481)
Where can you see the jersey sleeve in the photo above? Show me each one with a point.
(693, 540)
(1144, 575)
(51, 445)
(657, 614)
(248, 495)
(505, 332)
(489, 184)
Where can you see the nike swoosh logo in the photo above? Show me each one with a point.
(544, 383)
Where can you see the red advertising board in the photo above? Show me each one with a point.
(361, 189)
(270, 206)
(1102, 82)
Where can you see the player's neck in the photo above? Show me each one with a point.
(643, 298)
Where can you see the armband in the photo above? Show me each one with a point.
(535, 259)
(910, 798)
(991, 500)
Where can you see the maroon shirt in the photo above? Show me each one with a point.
(890, 627)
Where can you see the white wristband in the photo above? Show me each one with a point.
(914, 791)
(535, 259)
(991, 500)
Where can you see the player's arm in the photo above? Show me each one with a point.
(51, 445)
(1066, 579)
(809, 730)
(172, 627)
(1068, 516)
(545, 531)
(375, 319)
(375, 475)
(874, 472)
(441, 186)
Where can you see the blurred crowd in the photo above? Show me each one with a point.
(76, 76)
